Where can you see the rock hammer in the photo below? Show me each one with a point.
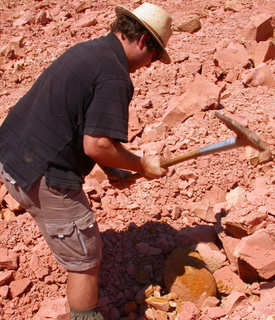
(245, 137)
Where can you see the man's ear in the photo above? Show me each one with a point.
(142, 42)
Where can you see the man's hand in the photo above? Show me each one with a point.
(151, 168)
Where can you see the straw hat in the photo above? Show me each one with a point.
(156, 20)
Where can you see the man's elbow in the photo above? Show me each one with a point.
(95, 147)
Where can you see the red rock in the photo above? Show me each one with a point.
(215, 195)
(266, 304)
(53, 310)
(160, 315)
(259, 76)
(201, 95)
(213, 258)
(153, 251)
(88, 20)
(270, 205)
(11, 203)
(259, 195)
(236, 196)
(82, 6)
(149, 314)
(149, 135)
(17, 287)
(191, 67)
(41, 18)
(234, 57)
(244, 221)
(188, 311)
(34, 262)
(6, 277)
(176, 212)
(216, 312)
(233, 6)
(158, 303)
(4, 291)
(41, 273)
(25, 18)
(163, 245)
(204, 211)
(17, 41)
(232, 301)
(189, 24)
(228, 281)
(103, 301)
(258, 252)
(153, 133)
(114, 314)
(209, 302)
(142, 247)
(260, 28)
(229, 244)
(8, 260)
(256, 157)
(188, 237)
(134, 126)
(3, 192)
(261, 51)
(155, 212)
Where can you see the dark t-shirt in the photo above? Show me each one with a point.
(87, 90)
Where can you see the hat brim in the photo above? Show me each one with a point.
(121, 10)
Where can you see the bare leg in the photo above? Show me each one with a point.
(82, 288)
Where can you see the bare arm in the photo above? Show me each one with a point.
(111, 153)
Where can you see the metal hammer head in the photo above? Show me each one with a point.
(245, 136)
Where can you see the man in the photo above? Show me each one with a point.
(76, 115)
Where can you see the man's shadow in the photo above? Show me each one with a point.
(127, 268)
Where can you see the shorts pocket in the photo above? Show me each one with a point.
(74, 240)
(85, 222)
(60, 229)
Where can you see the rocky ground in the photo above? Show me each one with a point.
(197, 243)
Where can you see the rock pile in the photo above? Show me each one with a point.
(198, 243)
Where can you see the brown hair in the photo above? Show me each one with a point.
(133, 30)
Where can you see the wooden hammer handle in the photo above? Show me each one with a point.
(217, 147)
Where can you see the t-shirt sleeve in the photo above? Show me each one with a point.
(107, 114)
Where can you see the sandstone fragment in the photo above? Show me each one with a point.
(259, 76)
(260, 28)
(256, 255)
(17, 287)
(53, 309)
(234, 57)
(228, 281)
(190, 24)
(201, 95)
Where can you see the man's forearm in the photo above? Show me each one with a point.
(111, 153)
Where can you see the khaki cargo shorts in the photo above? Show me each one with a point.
(65, 220)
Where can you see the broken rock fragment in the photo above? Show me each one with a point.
(259, 76)
(17, 287)
(234, 57)
(260, 28)
(256, 255)
(190, 24)
(201, 95)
